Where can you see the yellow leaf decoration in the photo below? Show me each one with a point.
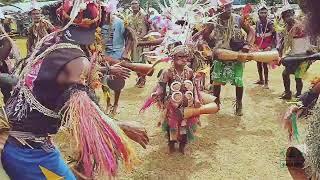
(50, 175)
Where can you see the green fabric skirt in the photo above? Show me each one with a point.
(302, 69)
(228, 72)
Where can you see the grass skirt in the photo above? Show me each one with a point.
(231, 72)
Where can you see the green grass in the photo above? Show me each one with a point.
(22, 45)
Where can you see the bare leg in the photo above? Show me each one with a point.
(116, 102)
(299, 86)
(286, 83)
(266, 75)
(239, 95)
(141, 81)
(170, 143)
(106, 94)
(183, 143)
(216, 93)
(259, 67)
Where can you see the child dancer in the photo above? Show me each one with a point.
(181, 97)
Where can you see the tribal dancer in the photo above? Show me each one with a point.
(52, 93)
(183, 93)
(295, 41)
(309, 100)
(228, 35)
(39, 28)
(264, 40)
(9, 53)
(206, 42)
(5, 49)
(309, 107)
(116, 44)
(138, 21)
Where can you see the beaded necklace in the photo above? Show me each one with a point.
(183, 76)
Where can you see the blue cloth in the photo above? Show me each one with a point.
(114, 40)
(23, 163)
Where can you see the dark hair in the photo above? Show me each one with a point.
(312, 8)
(51, 11)
(103, 16)
(290, 11)
(30, 12)
(181, 23)
(264, 8)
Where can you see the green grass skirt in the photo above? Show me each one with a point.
(230, 72)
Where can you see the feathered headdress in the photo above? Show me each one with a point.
(286, 6)
(222, 3)
(184, 18)
(81, 20)
(189, 11)
(110, 6)
(34, 6)
(214, 4)
(1, 15)
(262, 5)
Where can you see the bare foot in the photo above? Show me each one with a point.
(259, 82)
(141, 82)
(171, 147)
(114, 110)
(108, 107)
(181, 148)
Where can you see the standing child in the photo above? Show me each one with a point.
(181, 96)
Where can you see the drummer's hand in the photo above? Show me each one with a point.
(290, 111)
(197, 104)
(119, 71)
(154, 95)
(242, 57)
(280, 61)
(136, 132)
(268, 49)
(246, 48)
(286, 121)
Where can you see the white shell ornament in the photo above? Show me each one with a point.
(175, 86)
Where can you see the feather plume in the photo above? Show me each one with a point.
(148, 103)
(111, 6)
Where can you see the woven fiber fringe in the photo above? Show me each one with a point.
(313, 141)
(98, 138)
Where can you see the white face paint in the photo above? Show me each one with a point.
(68, 36)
